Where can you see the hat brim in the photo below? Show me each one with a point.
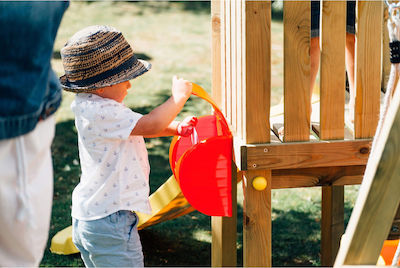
(137, 69)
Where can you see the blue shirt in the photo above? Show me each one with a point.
(29, 89)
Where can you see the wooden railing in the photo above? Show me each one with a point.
(242, 88)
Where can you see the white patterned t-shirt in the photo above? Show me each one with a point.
(114, 164)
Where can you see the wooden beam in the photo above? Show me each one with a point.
(332, 95)
(223, 246)
(332, 222)
(257, 67)
(256, 221)
(310, 177)
(378, 197)
(305, 154)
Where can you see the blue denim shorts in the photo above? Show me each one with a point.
(112, 241)
(350, 18)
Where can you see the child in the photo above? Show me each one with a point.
(98, 65)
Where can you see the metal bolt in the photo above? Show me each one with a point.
(265, 150)
(254, 165)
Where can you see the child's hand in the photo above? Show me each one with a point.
(185, 128)
(181, 87)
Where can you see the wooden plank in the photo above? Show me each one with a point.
(332, 222)
(297, 99)
(386, 65)
(258, 71)
(216, 51)
(333, 71)
(332, 104)
(222, 13)
(233, 65)
(368, 67)
(228, 61)
(223, 246)
(257, 205)
(256, 221)
(323, 176)
(223, 252)
(307, 154)
(378, 197)
(239, 63)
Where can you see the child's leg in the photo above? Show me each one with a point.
(76, 239)
(111, 241)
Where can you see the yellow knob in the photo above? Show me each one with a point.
(259, 183)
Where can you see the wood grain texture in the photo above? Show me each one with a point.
(223, 246)
(368, 67)
(258, 71)
(216, 51)
(333, 71)
(378, 197)
(307, 154)
(323, 176)
(256, 221)
(297, 99)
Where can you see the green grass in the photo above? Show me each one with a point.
(176, 38)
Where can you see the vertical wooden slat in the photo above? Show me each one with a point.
(216, 51)
(223, 247)
(386, 65)
(234, 65)
(297, 99)
(228, 61)
(378, 197)
(332, 102)
(223, 252)
(239, 85)
(368, 67)
(257, 205)
(258, 71)
(333, 70)
(222, 13)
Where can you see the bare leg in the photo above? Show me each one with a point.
(350, 51)
(314, 55)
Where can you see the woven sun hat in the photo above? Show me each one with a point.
(98, 56)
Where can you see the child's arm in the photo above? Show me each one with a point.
(161, 117)
(184, 128)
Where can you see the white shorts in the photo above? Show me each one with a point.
(26, 194)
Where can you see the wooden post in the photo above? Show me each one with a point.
(332, 88)
(223, 251)
(256, 93)
(223, 247)
(378, 197)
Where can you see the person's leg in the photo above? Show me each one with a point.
(350, 51)
(26, 195)
(112, 241)
(314, 58)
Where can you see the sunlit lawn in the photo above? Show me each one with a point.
(176, 38)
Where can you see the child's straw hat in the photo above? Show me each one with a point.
(98, 56)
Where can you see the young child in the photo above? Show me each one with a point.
(98, 65)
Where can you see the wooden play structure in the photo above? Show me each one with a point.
(336, 155)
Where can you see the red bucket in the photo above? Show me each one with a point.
(202, 162)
